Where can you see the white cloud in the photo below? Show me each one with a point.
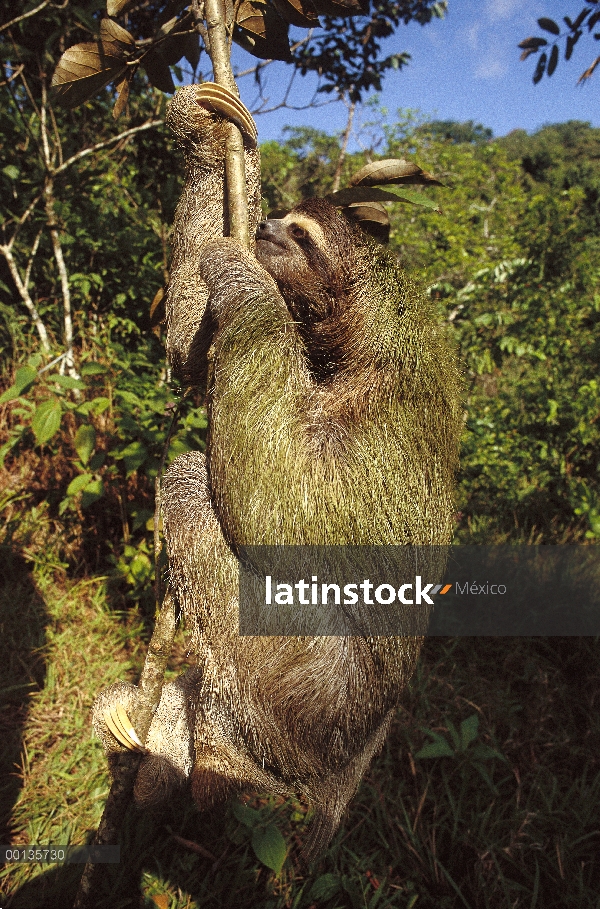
(472, 35)
(491, 69)
(502, 9)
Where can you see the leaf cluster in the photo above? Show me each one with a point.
(156, 36)
(548, 49)
(105, 435)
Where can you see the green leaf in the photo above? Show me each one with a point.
(468, 731)
(128, 396)
(553, 60)
(438, 748)
(67, 381)
(92, 492)
(269, 847)
(453, 734)
(133, 455)
(24, 379)
(85, 442)
(11, 171)
(97, 461)
(93, 369)
(325, 887)
(178, 447)
(373, 194)
(245, 815)
(79, 483)
(485, 753)
(140, 567)
(46, 421)
(99, 405)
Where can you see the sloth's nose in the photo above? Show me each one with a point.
(264, 229)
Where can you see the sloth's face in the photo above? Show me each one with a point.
(293, 239)
(294, 250)
(312, 255)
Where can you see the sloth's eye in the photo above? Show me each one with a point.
(298, 233)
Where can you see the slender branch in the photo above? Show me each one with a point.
(57, 139)
(21, 221)
(150, 124)
(43, 130)
(255, 69)
(14, 100)
(237, 200)
(345, 139)
(34, 249)
(64, 280)
(198, 14)
(26, 15)
(14, 76)
(53, 227)
(6, 251)
(30, 96)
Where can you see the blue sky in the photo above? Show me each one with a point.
(464, 67)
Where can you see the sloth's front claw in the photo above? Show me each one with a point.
(122, 728)
(220, 100)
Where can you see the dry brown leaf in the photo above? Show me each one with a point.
(116, 7)
(340, 7)
(298, 12)
(251, 17)
(86, 68)
(173, 8)
(392, 171)
(112, 33)
(372, 217)
(158, 312)
(191, 49)
(158, 72)
(162, 900)
(122, 95)
(589, 71)
(172, 48)
(262, 32)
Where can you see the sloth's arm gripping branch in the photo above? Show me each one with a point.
(258, 397)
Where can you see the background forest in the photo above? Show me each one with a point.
(512, 262)
(504, 733)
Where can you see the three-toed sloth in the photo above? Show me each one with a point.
(334, 418)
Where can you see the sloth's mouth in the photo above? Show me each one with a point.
(272, 242)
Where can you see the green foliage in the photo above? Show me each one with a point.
(105, 435)
(462, 743)
(453, 131)
(268, 844)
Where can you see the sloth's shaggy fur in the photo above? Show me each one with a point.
(334, 417)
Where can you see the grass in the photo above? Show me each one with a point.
(509, 817)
